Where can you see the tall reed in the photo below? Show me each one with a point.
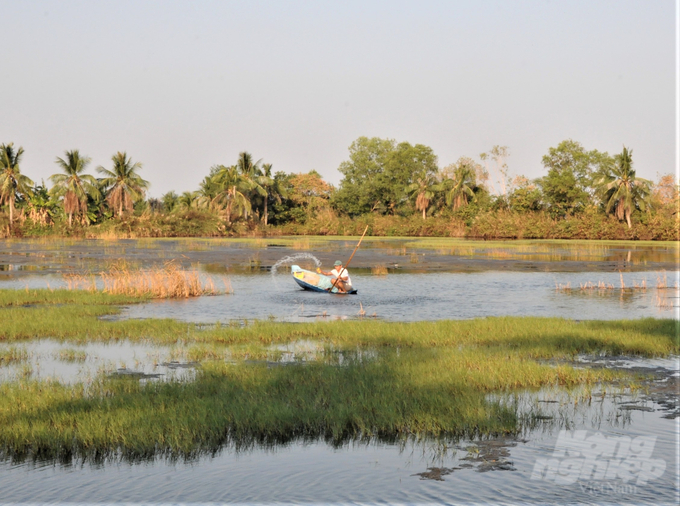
(164, 282)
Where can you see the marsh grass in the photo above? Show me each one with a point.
(13, 354)
(45, 297)
(70, 355)
(419, 392)
(269, 382)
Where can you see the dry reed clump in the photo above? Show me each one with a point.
(302, 244)
(603, 288)
(379, 270)
(167, 282)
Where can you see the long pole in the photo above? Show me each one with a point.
(350, 259)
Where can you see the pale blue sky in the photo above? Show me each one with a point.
(182, 86)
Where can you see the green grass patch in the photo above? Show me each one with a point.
(28, 297)
(362, 379)
(418, 393)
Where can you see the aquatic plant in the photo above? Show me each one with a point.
(13, 354)
(71, 355)
(159, 282)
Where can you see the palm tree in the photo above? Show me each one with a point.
(73, 185)
(12, 182)
(424, 189)
(124, 185)
(246, 166)
(187, 200)
(234, 188)
(460, 187)
(209, 189)
(621, 191)
(251, 171)
(169, 201)
(270, 187)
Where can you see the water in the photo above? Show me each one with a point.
(492, 471)
(452, 279)
(52, 360)
(447, 280)
(429, 296)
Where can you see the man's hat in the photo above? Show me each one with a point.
(337, 262)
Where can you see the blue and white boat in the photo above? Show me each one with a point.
(314, 282)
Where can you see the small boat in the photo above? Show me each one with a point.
(309, 280)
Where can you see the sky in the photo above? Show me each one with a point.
(182, 86)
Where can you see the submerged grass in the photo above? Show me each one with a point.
(71, 355)
(362, 379)
(13, 354)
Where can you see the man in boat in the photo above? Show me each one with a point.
(344, 283)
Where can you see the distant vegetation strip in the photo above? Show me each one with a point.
(396, 189)
(369, 379)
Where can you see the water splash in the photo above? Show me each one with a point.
(294, 259)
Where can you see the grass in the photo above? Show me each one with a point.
(43, 297)
(365, 379)
(12, 354)
(71, 355)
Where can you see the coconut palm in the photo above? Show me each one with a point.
(169, 201)
(246, 166)
(124, 185)
(271, 188)
(252, 172)
(187, 200)
(621, 191)
(460, 189)
(424, 190)
(209, 189)
(74, 186)
(234, 188)
(12, 182)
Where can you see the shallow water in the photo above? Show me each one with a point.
(507, 469)
(453, 279)
(413, 297)
(54, 360)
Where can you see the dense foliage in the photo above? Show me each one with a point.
(394, 188)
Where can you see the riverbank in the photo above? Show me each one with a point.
(590, 225)
(362, 379)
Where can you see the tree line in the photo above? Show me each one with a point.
(380, 178)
